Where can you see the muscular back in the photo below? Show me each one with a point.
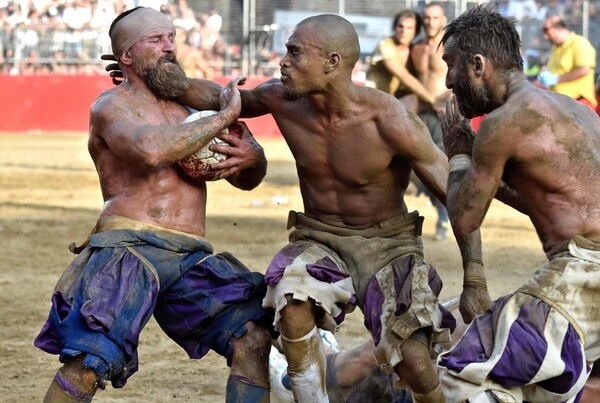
(354, 160)
(550, 149)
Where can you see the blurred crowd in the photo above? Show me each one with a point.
(68, 36)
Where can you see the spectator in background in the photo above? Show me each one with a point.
(570, 68)
(190, 58)
(430, 68)
(214, 21)
(76, 15)
(388, 63)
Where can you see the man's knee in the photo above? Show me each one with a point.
(417, 367)
(297, 317)
(256, 340)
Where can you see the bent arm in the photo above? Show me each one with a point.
(431, 166)
(511, 197)
(409, 81)
(144, 144)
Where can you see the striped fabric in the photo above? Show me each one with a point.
(537, 344)
(521, 346)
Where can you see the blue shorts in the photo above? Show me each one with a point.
(108, 293)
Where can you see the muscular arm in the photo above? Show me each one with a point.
(413, 141)
(471, 191)
(141, 141)
(204, 94)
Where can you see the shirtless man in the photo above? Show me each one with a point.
(147, 255)
(356, 243)
(539, 152)
(429, 67)
(388, 69)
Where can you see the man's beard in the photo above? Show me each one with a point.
(472, 100)
(165, 80)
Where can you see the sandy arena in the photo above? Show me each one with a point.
(50, 197)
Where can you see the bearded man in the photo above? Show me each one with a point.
(147, 255)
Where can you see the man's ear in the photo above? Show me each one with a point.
(126, 58)
(333, 62)
(479, 65)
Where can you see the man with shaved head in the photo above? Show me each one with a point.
(356, 243)
(147, 254)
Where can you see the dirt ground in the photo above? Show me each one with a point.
(49, 197)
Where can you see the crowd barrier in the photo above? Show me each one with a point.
(50, 103)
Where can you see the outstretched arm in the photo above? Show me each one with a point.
(431, 166)
(204, 94)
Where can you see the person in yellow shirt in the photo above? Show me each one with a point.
(570, 68)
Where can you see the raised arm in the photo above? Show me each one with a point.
(204, 94)
(409, 81)
(475, 172)
(138, 140)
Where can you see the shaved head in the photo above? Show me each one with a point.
(335, 34)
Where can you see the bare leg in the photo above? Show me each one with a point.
(419, 372)
(304, 351)
(72, 383)
(249, 377)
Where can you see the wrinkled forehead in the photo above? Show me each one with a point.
(133, 27)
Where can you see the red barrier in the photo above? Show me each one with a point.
(62, 103)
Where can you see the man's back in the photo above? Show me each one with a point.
(549, 149)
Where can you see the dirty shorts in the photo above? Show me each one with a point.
(123, 276)
(380, 269)
(537, 344)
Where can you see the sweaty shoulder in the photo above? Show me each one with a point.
(269, 91)
(393, 120)
(381, 102)
(107, 100)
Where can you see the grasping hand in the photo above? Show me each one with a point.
(113, 68)
(457, 130)
(230, 98)
(242, 153)
(475, 298)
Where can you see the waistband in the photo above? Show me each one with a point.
(117, 222)
(405, 224)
